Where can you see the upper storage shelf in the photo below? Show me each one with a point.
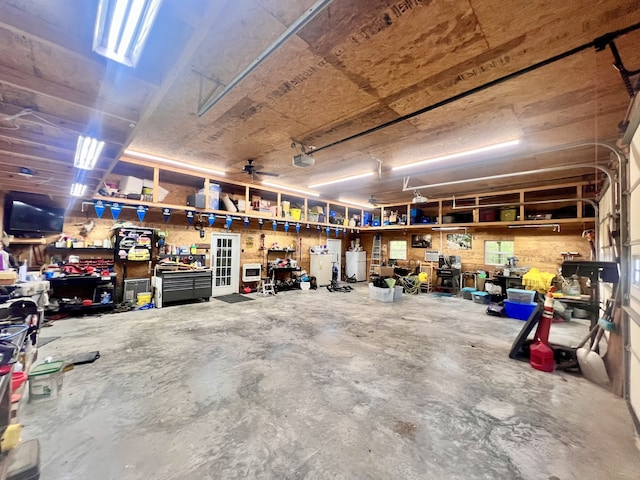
(170, 187)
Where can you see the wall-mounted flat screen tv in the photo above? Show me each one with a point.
(28, 216)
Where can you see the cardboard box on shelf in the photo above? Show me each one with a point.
(384, 271)
(131, 185)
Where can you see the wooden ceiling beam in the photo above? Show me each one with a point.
(66, 147)
(11, 166)
(65, 124)
(34, 153)
(39, 86)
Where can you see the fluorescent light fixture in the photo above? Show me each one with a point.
(293, 189)
(555, 226)
(175, 163)
(344, 179)
(488, 148)
(355, 203)
(78, 190)
(88, 151)
(122, 28)
(448, 229)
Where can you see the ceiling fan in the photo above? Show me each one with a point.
(254, 170)
(373, 201)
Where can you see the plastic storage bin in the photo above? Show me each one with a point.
(143, 298)
(488, 215)
(381, 294)
(518, 295)
(519, 311)
(397, 293)
(481, 297)
(508, 214)
(45, 381)
(467, 291)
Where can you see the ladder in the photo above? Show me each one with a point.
(374, 265)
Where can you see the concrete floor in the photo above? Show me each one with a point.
(320, 385)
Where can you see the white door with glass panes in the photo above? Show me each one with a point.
(225, 263)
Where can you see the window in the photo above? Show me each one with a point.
(635, 274)
(398, 249)
(496, 252)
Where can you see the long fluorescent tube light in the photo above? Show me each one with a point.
(356, 204)
(555, 226)
(448, 229)
(88, 151)
(168, 161)
(78, 190)
(293, 189)
(122, 28)
(344, 179)
(465, 153)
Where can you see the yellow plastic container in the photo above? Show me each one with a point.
(144, 298)
(295, 213)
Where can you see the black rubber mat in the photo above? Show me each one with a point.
(233, 298)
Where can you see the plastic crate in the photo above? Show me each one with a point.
(481, 297)
(518, 295)
(467, 291)
(519, 311)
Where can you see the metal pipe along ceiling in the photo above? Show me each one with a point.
(595, 43)
(294, 28)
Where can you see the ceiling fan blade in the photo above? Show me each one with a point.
(269, 174)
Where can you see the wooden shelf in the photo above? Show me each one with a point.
(79, 250)
(28, 241)
(438, 207)
(422, 226)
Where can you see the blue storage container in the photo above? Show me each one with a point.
(518, 295)
(519, 311)
(480, 297)
(467, 291)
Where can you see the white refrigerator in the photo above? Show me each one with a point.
(356, 264)
(321, 268)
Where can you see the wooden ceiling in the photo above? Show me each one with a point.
(356, 66)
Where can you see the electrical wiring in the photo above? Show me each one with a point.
(23, 113)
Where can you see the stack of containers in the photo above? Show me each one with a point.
(482, 298)
(466, 293)
(520, 303)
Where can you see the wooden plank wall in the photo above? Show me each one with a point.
(534, 247)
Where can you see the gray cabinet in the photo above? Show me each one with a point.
(177, 286)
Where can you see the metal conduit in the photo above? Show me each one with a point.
(605, 39)
(294, 28)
